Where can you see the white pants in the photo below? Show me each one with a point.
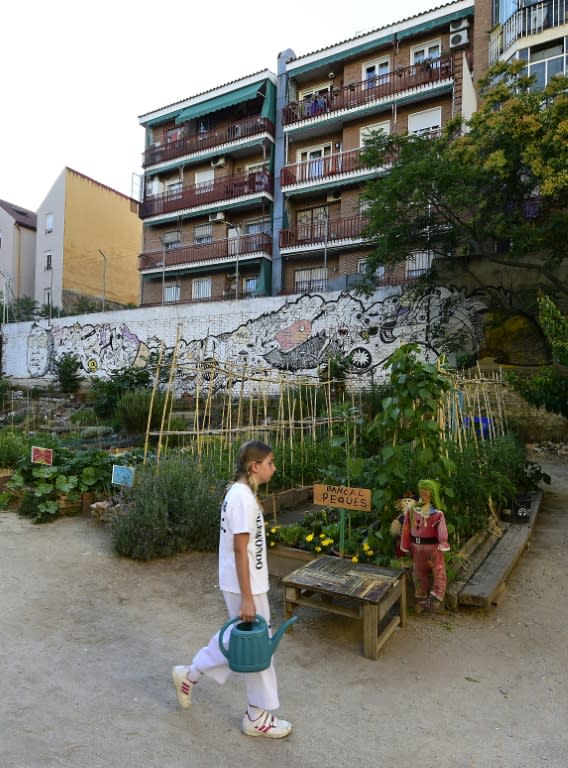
(262, 687)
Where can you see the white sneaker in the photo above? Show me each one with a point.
(183, 686)
(266, 725)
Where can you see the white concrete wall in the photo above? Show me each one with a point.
(276, 336)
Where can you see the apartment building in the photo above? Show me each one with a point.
(88, 239)
(534, 32)
(208, 195)
(253, 188)
(17, 252)
(408, 77)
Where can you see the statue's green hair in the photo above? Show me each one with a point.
(434, 487)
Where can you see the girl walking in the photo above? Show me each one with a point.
(243, 579)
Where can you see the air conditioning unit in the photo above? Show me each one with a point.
(217, 216)
(218, 162)
(458, 24)
(333, 197)
(459, 39)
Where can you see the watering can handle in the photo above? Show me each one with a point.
(224, 628)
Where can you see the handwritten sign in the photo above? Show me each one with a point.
(343, 497)
(122, 475)
(42, 455)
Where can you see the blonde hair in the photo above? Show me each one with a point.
(249, 452)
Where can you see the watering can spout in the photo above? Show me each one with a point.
(275, 639)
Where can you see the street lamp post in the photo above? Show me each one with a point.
(104, 278)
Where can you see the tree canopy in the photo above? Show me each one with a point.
(494, 188)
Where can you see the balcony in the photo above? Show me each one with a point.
(323, 168)
(190, 145)
(208, 193)
(221, 251)
(382, 88)
(325, 232)
(526, 22)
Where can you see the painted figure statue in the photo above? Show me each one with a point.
(425, 537)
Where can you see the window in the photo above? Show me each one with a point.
(308, 280)
(255, 227)
(48, 223)
(376, 73)
(313, 159)
(47, 297)
(365, 133)
(201, 288)
(544, 62)
(250, 284)
(312, 224)
(174, 134)
(426, 121)
(204, 180)
(203, 234)
(174, 188)
(418, 263)
(429, 50)
(171, 293)
(362, 269)
(171, 240)
(47, 261)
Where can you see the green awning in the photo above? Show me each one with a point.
(269, 103)
(220, 102)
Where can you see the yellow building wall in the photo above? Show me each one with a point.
(98, 217)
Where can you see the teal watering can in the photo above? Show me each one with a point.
(250, 647)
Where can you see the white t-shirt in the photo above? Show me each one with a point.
(242, 513)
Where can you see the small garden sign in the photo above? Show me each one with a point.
(342, 497)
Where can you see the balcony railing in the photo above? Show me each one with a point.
(324, 167)
(358, 94)
(219, 250)
(207, 193)
(327, 231)
(526, 22)
(190, 145)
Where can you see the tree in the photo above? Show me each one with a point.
(493, 189)
(548, 388)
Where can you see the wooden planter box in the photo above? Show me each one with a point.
(283, 560)
(276, 502)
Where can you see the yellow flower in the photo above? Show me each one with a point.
(273, 530)
(354, 559)
(317, 549)
(322, 535)
(272, 543)
(370, 552)
(309, 537)
(365, 546)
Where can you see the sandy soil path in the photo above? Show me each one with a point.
(87, 641)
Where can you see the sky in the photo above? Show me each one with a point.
(77, 75)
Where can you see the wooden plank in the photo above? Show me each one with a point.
(484, 585)
(484, 548)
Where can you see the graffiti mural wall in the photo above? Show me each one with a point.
(292, 336)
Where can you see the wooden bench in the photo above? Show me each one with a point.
(356, 590)
(488, 583)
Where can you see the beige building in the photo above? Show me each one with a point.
(17, 252)
(88, 240)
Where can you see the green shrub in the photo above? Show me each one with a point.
(13, 447)
(84, 417)
(105, 393)
(67, 370)
(132, 410)
(173, 506)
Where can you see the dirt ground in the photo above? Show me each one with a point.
(88, 640)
